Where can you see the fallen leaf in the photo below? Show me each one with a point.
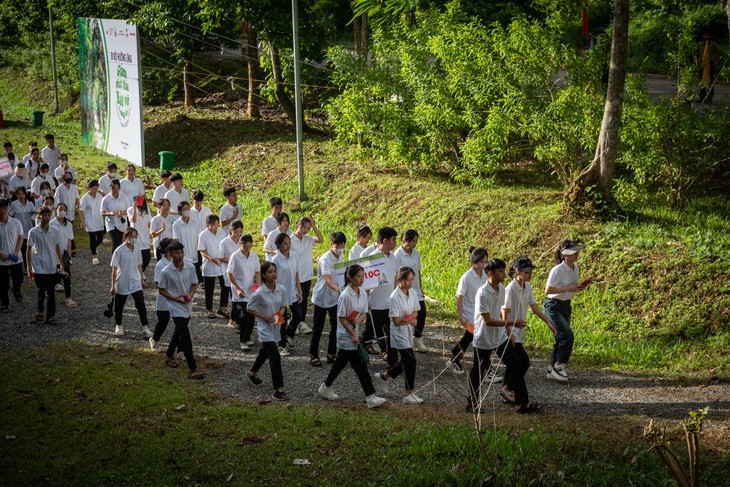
(301, 461)
(230, 477)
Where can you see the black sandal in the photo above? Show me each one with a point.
(330, 359)
(315, 362)
(507, 397)
(529, 408)
(256, 381)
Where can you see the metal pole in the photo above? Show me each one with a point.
(53, 60)
(298, 99)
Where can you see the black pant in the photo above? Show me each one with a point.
(7, 272)
(67, 281)
(46, 284)
(146, 258)
(420, 320)
(290, 328)
(210, 287)
(382, 326)
(158, 254)
(245, 321)
(120, 299)
(163, 318)
(270, 351)
(199, 269)
(95, 240)
(408, 364)
(511, 360)
(353, 358)
(306, 286)
(181, 340)
(524, 361)
(116, 237)
(318, 326)
(458, 351)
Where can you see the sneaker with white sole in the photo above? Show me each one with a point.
(153, 343)
(456, 367)
(59, 288)
(119, 330)
(249, 343)
(94, 261)
(283, 352)
(147, 332)
(245, 347)
(374, 401)
(71, 303)
(418, 398)
(290, 343)
(381, 383)
(410, 399)
(562, 368)
(558, 375)
(304, 328)
(418, 345)
(494, 376)
(327, 392)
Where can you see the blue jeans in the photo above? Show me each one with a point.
(558, 312)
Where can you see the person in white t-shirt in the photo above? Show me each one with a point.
(31, 145)
(269, 224)
(287, 264)
(140, 218)
(302, 243)
(33, 164)
(199, 214)
(227, 247)
(232, 210)
(325, 296)
(162, 310)
(43, 177)
(270, 249)
(62, 168)
(128, 280)
(161, 226)
(50, 153)
(408, 255)
(163, 188)
(10, 154)
(68, 194)
(209, 244)
(23, 210)
(105, 182)
(402, 311)
(91, 220)
(132, 186)
(114, 210)
(66, 232)
(363, 235)
(11, 258)
(562, 284)
(184, 230)
(352, 308)
(177, 195)
(245, 278)
(18, 180)
(44, 263)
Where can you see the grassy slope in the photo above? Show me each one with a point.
(662, 302)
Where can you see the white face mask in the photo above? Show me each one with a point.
(61, 214)
(132, 241)
(186, 214)
(112, 175)
(46, 192)
(338, 252)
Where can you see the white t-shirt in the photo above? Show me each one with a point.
(380, 296)
(287, 273)
(200, 217)
(355, 251)
(186, 233)
(469, 284)
(488, 300)
(175, 198)
(43, 256)
(517, 300)
(156, 226)
(414, 262)
(110, 203)
(10, 232)
(131, 189)
(35, 186)
(67, 196)
(400, 306)
(225, 250)
(50, 157)
(128, 279)
(268, 225)
(268, 302)
(60, 171)
(211, 243)
(244, 271)
(25, 214)
(91, 206)
(303, 248)
(105, 184)
(143, 227)
(178, 282)
(65, 234)
(348, 303)
(227, 212)
(160, 192)
(160, 300)
(16, 182)
(322, 295)
(563, 276)
(270, 242)
(32, 167)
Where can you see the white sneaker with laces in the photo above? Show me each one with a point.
(418, 398)
(381, 383)
(59, 287)
(304, 328)
(153, 343)
(410, 399)
(493, 376)
(374, 401)
(456, 367)
(147, 332)
(327, 392)
(245, 347)
(95, 261)
(71, 303)
(418, 345)
(284, 352)
(557, 374)
(119, 330)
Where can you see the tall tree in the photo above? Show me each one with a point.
(599, 174)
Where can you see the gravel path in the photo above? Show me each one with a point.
(590, 392)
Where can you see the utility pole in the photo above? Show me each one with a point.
(298, 99)
(53, 60)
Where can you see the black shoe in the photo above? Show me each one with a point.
(280, 396)
(18, 296)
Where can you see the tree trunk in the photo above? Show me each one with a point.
(600, 172)
(254, 73)
(361, 27)
(281, 96)
(726, 4)
(186, 84)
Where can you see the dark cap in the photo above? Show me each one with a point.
(570, 247)
(523, 263)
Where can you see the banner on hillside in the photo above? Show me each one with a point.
(111, 88)
(6, 169)
(374, 266)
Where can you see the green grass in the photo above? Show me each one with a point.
(91, 415)
(661, 303)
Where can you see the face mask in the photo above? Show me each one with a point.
(67, 180)
(132, 241)
(44, 175)
(112, 175)
(338, 252)
(186, 214)
(61, 214)
(46, 192)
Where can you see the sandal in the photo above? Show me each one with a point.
(369, 348)
(315, 362)
(507, 397)
(224, 313)
(211, 314)
(197, 375)
(529, 408)
(330, 359)
(171, 362)
(52, 321)
(256, 381)
(4, 309)
(38, 317)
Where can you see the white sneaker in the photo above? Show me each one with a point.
(381, 383)
(418, 345)
(374, 401)
(153, 344)
(245, 347)
(557, 374)
(456, 367)
(249, 343)
(94, 261)
(304, 328)
(284, 352)
(119, 330)
(147, 332)
(493, 376)
(410, 399)
(562, 368)
(71, 303)
(418, 398)
(59, 288)
(327, 392)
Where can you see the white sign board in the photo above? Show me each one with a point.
(373, 265)
(6, 170)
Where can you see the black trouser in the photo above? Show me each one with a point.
(210, 287)
(270, 351)
(482, 362)
(163, 318)
(146, 258)
(382, 326)
(408, 364)
(95, 240)
(420, 320)
(353, 358)
(158, 254)
(458, 351)
(7, 272)
(306, 286)
(245, 321)
(120, 299)
(318, 326)
(290, 328)
(67, 281)
(181, 340)
(199, 269)
(46, 284)
(116, 237)
(524, 361)
(23, 249)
